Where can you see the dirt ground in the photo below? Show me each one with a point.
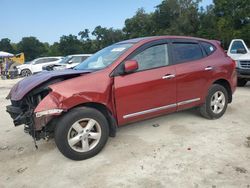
(176, 150)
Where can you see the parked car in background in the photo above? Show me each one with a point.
(239, 52)
(35, 66)
(126, 82)
(68, 62)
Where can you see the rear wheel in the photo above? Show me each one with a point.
(81, 133)
(216, 102)
(241, 82)
(26, 73)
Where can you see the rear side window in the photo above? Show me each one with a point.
(84, 57)
(41, 61)
(52, 59)
(76, 59)
(184, 52)
(209, 48)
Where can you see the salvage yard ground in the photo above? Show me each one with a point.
(176, 150)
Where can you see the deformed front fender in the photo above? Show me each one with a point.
(67, 95)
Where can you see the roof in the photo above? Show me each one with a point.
(80, 55)
(136, 40)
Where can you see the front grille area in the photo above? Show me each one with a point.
(245, 64)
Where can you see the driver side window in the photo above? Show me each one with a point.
(153, 57)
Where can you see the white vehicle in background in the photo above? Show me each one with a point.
(239, 52)
(68, 62)
(35, 66)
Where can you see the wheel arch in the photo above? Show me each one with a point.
(226, 85)
(106, 112)
(25, 70)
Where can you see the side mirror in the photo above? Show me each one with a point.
(241, 51)
(70, 62)
(130, 66)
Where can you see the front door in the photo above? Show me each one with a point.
(148, 92)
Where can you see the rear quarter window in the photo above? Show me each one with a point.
(184, 52)
(40, 61)
(52, 59)
(209, 48)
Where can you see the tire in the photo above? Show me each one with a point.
(241, 82)
(26, 73)
(208, 109)
(73, 138)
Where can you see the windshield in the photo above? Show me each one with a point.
(237, 45)
(104, 57)
(28, 62)
(65, 60)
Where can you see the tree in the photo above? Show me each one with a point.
(84, 34)
(54, 50)
(232, 19)
(208, 25)
(224, 21)
(177, 17)
(5, 45)
(105, 37)
(70, 45)
(140, 25)
(32, 48)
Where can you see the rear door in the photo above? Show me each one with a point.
(151, 90)
(37, 66)
(193, 71)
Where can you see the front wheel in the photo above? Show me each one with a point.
(26, 73)
(216, 102)
(81, 133)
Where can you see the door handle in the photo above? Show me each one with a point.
(168, 76)
(209, 68)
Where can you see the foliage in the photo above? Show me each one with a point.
(140, 25)
(224, 20)
(233, 19)
(31, 47)
(69, 45)
(5, 45)
(175, 17)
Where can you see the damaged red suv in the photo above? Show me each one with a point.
(126, 82)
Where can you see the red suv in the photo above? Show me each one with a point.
(126, 82)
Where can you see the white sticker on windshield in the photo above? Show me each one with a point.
(211, 48)
(118, 49)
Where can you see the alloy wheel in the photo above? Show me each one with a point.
(84, 135)
(218, 102)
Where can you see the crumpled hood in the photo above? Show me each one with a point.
(24, 86)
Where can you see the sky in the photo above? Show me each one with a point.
(48, 20)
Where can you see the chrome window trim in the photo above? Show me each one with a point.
(160, 108)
